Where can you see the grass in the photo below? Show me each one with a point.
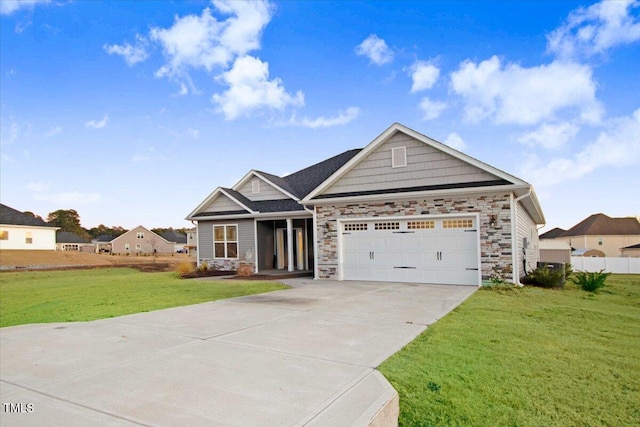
(527, 357)
(80, 295)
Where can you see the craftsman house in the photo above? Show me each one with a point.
(405, 208)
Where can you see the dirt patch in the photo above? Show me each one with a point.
(15, 260)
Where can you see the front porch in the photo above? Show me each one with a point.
(284, 245)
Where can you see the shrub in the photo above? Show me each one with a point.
(203, 266)
(544, 277)
(590, 282)
(185, 267)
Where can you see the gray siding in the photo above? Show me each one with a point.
(526, 227)
(222, 203)
(267, 191)
(246, 237)
(425, 166)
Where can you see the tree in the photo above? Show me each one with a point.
(67, 220)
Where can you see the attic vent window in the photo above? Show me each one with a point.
(399, 157)
(255, 186)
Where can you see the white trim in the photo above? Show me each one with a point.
(257, 174)
(474, 215)
(237, 241)
(514, 243)
(210, 198)
(255, 243)
(402, 155)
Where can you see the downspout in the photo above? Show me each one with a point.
(514, 237)
(316, 271)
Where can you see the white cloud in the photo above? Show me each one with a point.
(375, 49)
(204, 42)
(194, 133)
(342, 118)
(250, 90)
(424, 76)
(132, 54)
(596, 29)
(70, 197)
(617, 146)
(57, 130)
(95, 124)
(431, 109)
(517, 95)
(37, 186)
(455, 141)
(7, 7)
(550, 136)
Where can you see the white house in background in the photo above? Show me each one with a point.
(22, 231)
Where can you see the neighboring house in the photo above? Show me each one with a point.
(141, 241)
(405, 208)
(179, 240)
(22, 231)
(632, 251)
(588, 253)
(67, 241)
(552, 234)
(603, 233)
(102, 243)
(554, 251)
(192, 239)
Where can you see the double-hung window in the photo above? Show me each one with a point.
(225, 241)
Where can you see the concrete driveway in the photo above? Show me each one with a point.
(299, 357)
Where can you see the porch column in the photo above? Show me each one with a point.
(292, 261)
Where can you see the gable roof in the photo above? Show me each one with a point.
(174, 236)
(104, 238)
(10, 216)
(553, 233)
(602, 225)
(637, 246)
(69, 237)
(137, 229)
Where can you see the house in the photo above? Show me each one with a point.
(67, 241)
(601, 232)
(632, 251)
(192, 238)
(554, 251)
(552, 234)
(587, 253)
(23, 231)
(102, 243)
(179, 240)
(140, 240)
(404, 208)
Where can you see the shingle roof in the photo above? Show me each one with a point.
(281, 205)
(69, 237)
(553, 233)
(174, 236)
(10, 216)
(104, 238)
(602, 225)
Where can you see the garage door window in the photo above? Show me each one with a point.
(457, 223)
(386, 226)
(356, 226)
(421, 225)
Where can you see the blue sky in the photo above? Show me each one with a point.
(132, 112)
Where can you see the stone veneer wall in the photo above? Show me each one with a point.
(495, 242)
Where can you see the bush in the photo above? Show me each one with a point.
(203, 266)
(544, 277)
(185, 267)
(590, 282)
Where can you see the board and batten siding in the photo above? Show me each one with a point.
(267, 191)
(246, 239)
(222, 203)
(425, 166)
(526, 228)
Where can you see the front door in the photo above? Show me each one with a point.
(282, 253)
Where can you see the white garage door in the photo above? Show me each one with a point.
(429, 250)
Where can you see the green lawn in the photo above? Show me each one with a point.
(527, 357)
(79, 295)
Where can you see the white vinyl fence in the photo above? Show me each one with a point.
(608, 264)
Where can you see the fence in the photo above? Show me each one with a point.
(609, 264)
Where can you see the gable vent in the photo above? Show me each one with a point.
(255, 186)
(399, 157)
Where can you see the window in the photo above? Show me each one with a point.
(140, 235)
(225, 241)
(255, 186)
(355, 226)
(138, 247)
(28, 238)
(599, 241)
(457, 223)
(126, 247)
(420, 225)
(4, 235)
(399, 157)
(386, 226)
